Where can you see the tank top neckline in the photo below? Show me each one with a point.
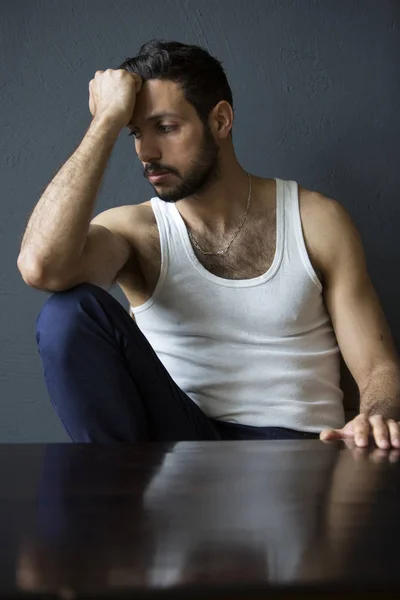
(237, 282)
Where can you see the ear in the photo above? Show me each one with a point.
(221, 119)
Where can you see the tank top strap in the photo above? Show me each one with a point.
(296, 246)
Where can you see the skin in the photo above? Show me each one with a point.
(214, 205)
(210, 189)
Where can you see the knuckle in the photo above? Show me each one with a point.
(362, 418)
(362, 431)
(378, 419)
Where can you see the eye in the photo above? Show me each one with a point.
(167, 128)
(163, 128)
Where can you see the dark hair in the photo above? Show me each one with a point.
(200, 75)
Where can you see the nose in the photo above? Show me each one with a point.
(147, 150)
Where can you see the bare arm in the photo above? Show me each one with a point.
(57, 230)
(361, 328)
(359, 321)
(60, 247)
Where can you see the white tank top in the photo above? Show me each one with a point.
(258, 351)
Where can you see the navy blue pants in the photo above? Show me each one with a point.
(107, 384)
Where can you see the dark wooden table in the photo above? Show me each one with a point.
(282, 519)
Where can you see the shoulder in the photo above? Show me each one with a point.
(129, 214)
(319, 211)
(328, 229)
(132, 221)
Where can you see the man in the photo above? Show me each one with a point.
(243, 288)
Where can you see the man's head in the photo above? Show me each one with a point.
(191, 85)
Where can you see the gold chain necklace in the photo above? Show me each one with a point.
(193, 239)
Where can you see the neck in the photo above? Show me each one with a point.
(222, 205)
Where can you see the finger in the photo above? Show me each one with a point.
(138, 82)
(394, 456)
(327, 435)
(380, 431)
(361, 430)
(92, 103)
(137, 79)
(394, 432)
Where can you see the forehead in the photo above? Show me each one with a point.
(160, 96)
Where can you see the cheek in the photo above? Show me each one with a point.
(189, 139)
(182, 143)
(179, 150)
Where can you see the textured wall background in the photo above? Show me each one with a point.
(317, 93)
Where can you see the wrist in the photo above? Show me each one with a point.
(107, 124)
(387, 412)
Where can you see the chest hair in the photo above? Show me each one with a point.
(250, 255)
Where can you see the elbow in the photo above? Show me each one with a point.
(29, 269)
(33, 275)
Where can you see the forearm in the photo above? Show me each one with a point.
(57, 229)
(381, 395)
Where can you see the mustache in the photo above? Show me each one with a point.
(155, 169)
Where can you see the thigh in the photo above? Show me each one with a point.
(171, 414)
(104, 376)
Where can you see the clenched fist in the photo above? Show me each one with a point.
(113, 93)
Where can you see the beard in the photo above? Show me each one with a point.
(202, 172)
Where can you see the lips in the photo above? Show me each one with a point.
(157, 173)
(157, 176)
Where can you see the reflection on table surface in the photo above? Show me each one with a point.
(232, 518)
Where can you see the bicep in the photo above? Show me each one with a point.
(357, 316)
(105, 253)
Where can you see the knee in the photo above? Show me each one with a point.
(62, 311)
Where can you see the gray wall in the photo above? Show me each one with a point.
(317, 94)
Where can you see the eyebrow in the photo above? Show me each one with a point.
(162, 115)
(159, 116)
